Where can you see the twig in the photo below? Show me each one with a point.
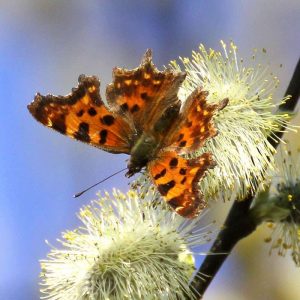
(239, 222)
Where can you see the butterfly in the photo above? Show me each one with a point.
(144, 118)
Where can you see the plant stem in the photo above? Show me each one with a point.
(239, 222)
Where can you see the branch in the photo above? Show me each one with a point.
(239, 222)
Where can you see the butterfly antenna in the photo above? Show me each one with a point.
(82, 192)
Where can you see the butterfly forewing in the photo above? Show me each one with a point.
(143, 94)
(82, 115)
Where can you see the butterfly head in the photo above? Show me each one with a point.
(132, 169)
(135, 165)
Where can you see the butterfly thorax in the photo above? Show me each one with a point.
(143, 151)
(148, 144)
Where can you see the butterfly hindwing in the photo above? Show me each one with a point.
(177, 181)
(82, 115)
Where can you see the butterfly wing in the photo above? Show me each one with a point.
(194, 124)
(144, 94)
(82, 115)
(177, 181)
(137, 99)
(176, 177)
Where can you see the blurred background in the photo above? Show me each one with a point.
(44, 46)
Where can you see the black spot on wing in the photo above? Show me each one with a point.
(135, 108)
(175, 202)
(83, 132)
(164, 188)
(59, 124)
(173, 162)
(92, 112)
(161, 174)
(183, 180)
(107, 120)
(80, 113)
(124, 107)
(182, 171)
(103, 136)
(182, 144)
(145, 96)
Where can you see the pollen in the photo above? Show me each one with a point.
(81, 266)
(268, 239)
(248, 118)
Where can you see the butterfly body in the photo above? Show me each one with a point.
(147, 146)
(142, 152)
(144, 118)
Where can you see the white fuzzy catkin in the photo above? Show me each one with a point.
(280, 205)
(129, 247)
(240, 149)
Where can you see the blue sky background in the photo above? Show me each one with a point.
(44, 46)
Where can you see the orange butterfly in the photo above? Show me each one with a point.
(145, 119)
